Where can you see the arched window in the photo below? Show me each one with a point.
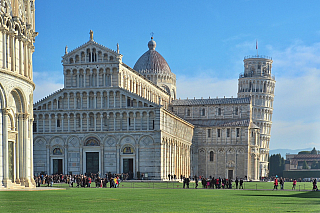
(219, 111)
(211, 156)
(105, 57)
(188, 112)
(82, 56)
(203, 112)
(236, 111)
(91, 121)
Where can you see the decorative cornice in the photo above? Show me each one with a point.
(19, 76)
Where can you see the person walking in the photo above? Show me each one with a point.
(294, 183)
(237, 181)
(241, 183)
(196, 181)
(281, 183)
(275, 187)
(315, 187)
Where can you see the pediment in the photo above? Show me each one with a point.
(90, 52)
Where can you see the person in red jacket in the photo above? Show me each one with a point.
(275, 187)
(294, 183)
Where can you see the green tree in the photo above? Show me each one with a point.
(304, 153)
(276, 165)
(314, 165)
(314, 151)
(305, 165)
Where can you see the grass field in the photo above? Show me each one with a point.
(161, 199)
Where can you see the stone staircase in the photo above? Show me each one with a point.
(9, 185)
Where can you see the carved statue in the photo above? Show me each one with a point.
(91, 35)
(66, 50)
(118, 50)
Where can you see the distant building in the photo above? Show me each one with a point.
(294, 166)
(296, 161)
(112, 118)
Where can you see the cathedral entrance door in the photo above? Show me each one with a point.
(57, 166)
(92, 162)
(128, 166)
(230, 174)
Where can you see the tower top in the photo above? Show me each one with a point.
(257, 56)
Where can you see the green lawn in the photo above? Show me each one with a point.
(150, 199)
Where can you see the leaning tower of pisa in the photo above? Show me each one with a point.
(258, 83)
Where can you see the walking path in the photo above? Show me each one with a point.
(33, 189)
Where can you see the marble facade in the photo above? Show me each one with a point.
(17, 36)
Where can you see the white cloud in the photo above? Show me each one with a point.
(294, 135)
(205, 86)
(296, 118)
(46, 83)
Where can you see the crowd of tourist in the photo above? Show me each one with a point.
(82, 180)
(280, 181)
(219, 183)
(115, 179)
(212, 183)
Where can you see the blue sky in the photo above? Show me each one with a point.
(204, 43)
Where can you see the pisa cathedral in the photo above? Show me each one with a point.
(17, 35)
(110, 117)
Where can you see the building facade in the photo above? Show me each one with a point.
(112, 118)
(108, 118)
(17, 36)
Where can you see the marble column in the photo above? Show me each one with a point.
(137, 157)
(101, 99)
(5, 113)
(68, 99)
(95, 101)
(88, 122)
(95, 122)
(77, 83)
(118, 158)
(43, 123)
(101, 122)
(68, 122)
(49, 122)
(111, 72)
(134, 121)
(66, 159)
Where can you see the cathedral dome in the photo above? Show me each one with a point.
(151, 61)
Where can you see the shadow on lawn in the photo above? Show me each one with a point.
(310, 194)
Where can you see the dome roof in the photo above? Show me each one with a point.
(151, 61)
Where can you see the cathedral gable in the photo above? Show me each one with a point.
(90, 52)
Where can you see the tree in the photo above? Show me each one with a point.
(305, 165)
(276, 165)
(314, 165)
(304, 153)
(314, 151)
